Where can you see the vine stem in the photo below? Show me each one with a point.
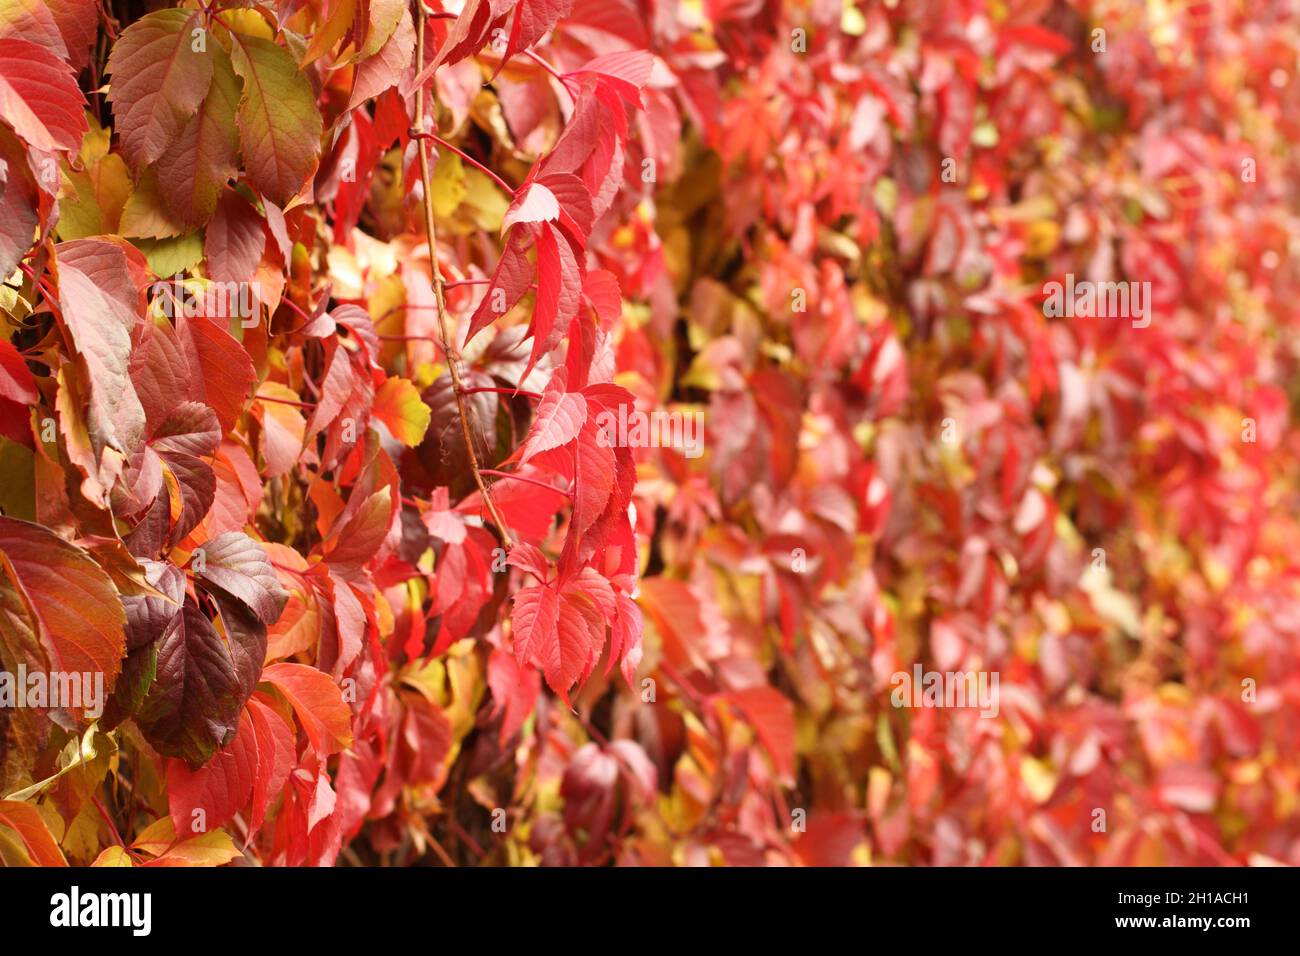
(435, 279)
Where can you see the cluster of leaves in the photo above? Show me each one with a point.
(326, 550)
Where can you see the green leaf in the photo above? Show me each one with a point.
(279, 124)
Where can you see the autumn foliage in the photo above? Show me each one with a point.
(316, 314)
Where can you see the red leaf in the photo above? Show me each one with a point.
(510, 280)
(350, 622)
(29, 20)
(533, 18)
(559, 284)
(203, 680)
(625, 642)
(535, 204)
(78, 22)
(55, 593)
(384, 69)
(357, 539)
(24, 820)
(221, 370)
(237, 564)
(525, 507)
(528, 558)
(771, 714)
(204, 157)
(560, 417)
(573, 202)
(275, 757)
(569, 656)
(627, 71)
(19, 198)
(100, 324)
(335, 391)
(593, 479)
(16, 382)
(533, 622)
(279, 124)
(579, 137)
(514, 688)
(158, 81)
(218, 789)
(39, 97)
(467, 36)
(318, 702)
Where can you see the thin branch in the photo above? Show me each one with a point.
(591, 728)
(526, 479)
(546, 66)
(465, 838)
(434, 844)
(564, 84)
(109, 820)
(282, 401)
(307, 319)
(502, 391)
(435, 278)
(684, 685)
(419, 136)
(42, 285)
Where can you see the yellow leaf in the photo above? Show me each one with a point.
(113, 856)
(213, 848)
(169, 257)
(76, 753)
(398, 405)
(383, 20)
(485, 200)
(93, 198)
(17, 480)
(283, 428)
(1039, 778)
(448, 184)
(335, 26)
(247, 22)
(145, 216)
